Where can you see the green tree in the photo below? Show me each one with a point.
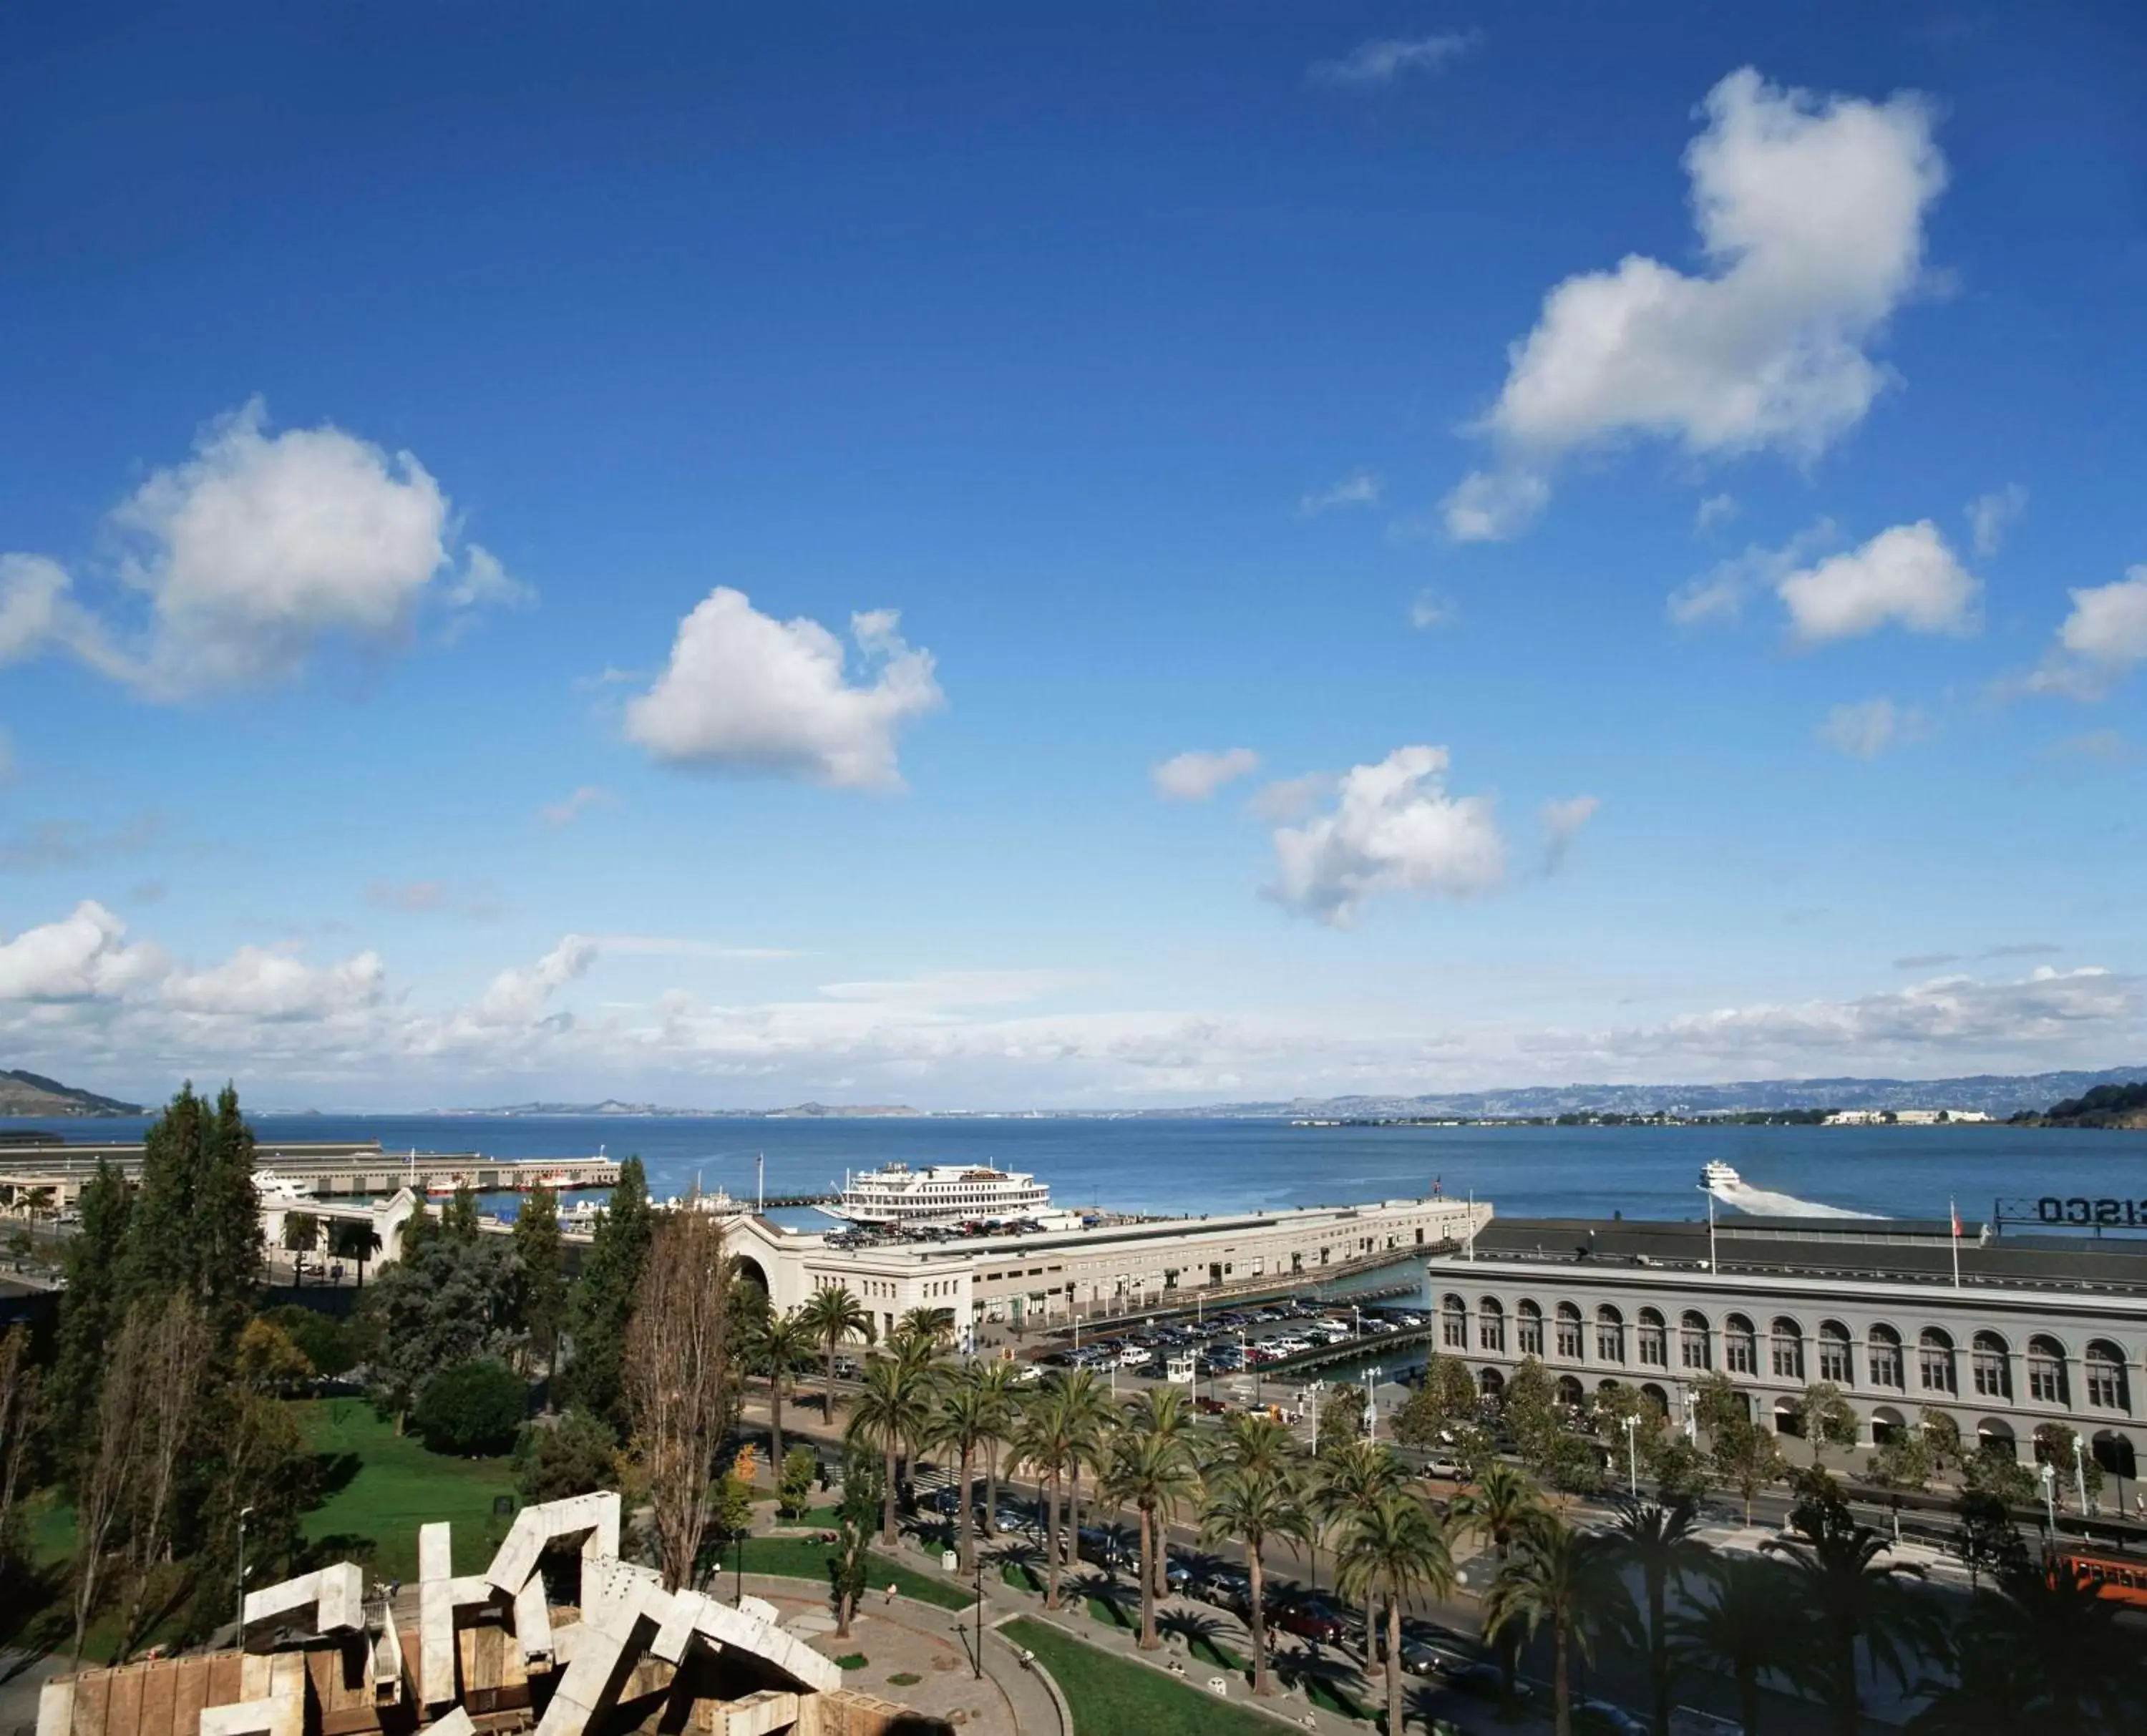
(1148, 1465)
(350, 1239)
(1043, 1440)
(1903, 1462)
(2044, 1652)
(1828, 1419)
(1341, 1417)
(325, 1340)
(269, 1360)
(1663, 1544)
(1941, 1437)
(1531, 1410)
(1746, 1622)
(1393, 1550)
(793, 1482)
(778, 1346)
(419, 1228)
(1842, 1576)
(451, 1302)
(2057, 1446)
(542, 1257)
(1720, 1405)
(995, 1383)
(601, 1309)
(1567, 1581)
(848, 1568)
(1255, 1502)
(1747, 1458)
(574, 1453)
(459, 1219)
(1346, 1480)
(1989, 1539)
(474, 1408)
(196, 1227)
(1090, 1413)
(1993, 1469)
(960, 1421)
(1678, 1468)
(92, 1303)
(835, 1318)
(302, 1235)
(1448, 1396)
(892, 1413)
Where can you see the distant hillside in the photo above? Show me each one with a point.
(2105, 1106)
(30, 1093)
(1997, 1095)
(613, 1106)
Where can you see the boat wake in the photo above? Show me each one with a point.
(1726, 1185)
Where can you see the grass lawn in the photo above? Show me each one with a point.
(802, 1558)
(1111, 1696)
(382, 1487)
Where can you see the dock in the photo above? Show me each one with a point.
(54, 1173)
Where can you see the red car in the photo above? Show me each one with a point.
(1309, 1621)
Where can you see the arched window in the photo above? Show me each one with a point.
(1788, 1350)
(1491, 1382)
(1740, 1346)
(1571, 1391)
(1833, 1353)
(1454, 1322)
(1991, 1366)
(1610, 1334)
(1658, 1401)
(1653, 1343)
(1692, 1335)
(1569, 1332)
(1490, 1325)
(2103, 1366)
(1529, 1318)
(1934, 1361)
(2047, 1383)
(1884, 1358)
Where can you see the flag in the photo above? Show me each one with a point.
(1955, 1211)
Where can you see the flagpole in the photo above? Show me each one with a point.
(1953, 1216)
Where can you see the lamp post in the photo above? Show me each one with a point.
(240, 1626)
(2050, 1499)
(2080, 1474)
(1372, 1377)
(979, 1659)
(1632, 1427)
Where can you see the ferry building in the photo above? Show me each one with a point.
(2037, 1329)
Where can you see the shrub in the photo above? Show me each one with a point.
(326, 1341)
(572, 1455)
(472, 1408)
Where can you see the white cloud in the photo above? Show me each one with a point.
(1720, 593)
(1865, 729)
(1562, 822)
(484, 582)
(1429, 609)
(1907, 576)
(519, 997)
(1810, 213)
(745, 692)
(1393, 829)
(2098, 643)
(1195, 776)
(1490, 505)
(1990, 516)
(432, 897)
(258, 984)
(1288, 799)
(555, 814)
(80, 956)
(1717, 509)
(1385, 59)
(1362, 489)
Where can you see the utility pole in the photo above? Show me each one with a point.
(2050, 1500)
(1372, 1378)
(240, 1626)
(1632, 1425)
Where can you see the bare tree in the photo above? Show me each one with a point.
(111, 1466)
(176, 1359)
(22, 1415)
(679, 1382)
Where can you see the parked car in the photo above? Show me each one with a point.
(1230, 1590)
(1103, 1549)
(1487, 1682)
(1310, 1619)
(1420, 1657)
(1600, 1717)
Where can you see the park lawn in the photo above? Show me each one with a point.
(1111, 1696)
(383, 1486)
(804, 1558)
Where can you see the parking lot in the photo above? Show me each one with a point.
(1236, 1341)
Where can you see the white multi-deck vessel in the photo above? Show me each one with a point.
(1733, 1190)
(939, 1193)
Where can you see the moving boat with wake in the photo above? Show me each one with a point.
(1723, 1183)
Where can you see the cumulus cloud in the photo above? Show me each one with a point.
(1720, 593)
(1865, 729)
(565, 812)
(519, 997)
(2101, 641)
(1562, 822)
(1195, 776)
(1715, 511)
(1393, 829)
(1490, 505)
(1363, 489)
(82, 956)
(252, 554)
(1906, 577)
(1810, 213)
(1385, 59)
(1990, 516)
(744, 692)
(255, 982)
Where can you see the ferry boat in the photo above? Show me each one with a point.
(275, 1189)
(939, 1193)
(1718, 1176)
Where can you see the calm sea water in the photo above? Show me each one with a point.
(1200, 1166)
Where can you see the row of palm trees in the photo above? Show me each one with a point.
(1827, 1596)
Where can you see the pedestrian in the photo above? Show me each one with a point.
(892, 1589)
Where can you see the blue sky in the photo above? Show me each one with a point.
(679, 552)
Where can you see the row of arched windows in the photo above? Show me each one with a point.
(1645, 1341)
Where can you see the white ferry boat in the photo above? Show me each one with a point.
(275, 1189)
(939, 1193)
(1723, 1182)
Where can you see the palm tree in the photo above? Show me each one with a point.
(1090, 1412)
(893, 1411)
(1255, 1505)
(780, 1345)
(1166, 1411)
(834, 1316)
(1351, 1478)
(995, 1386)
(1503, 1503)
(1566, 1580)
(353, 1240)
(1148, 1463)
(301, 1234)
(961, 1422)
(2042, 1653)
(1042, 1441)
(1392, 1549)
(1663, 1543)
(934, 1326)
(1745, 1623)
(1843, 1579)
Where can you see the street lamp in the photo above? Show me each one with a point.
(1632, 1427)
(2079, 1475)
(2050, 1498)
(979, 1659)
(240, 1640)
(1372, 1378)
